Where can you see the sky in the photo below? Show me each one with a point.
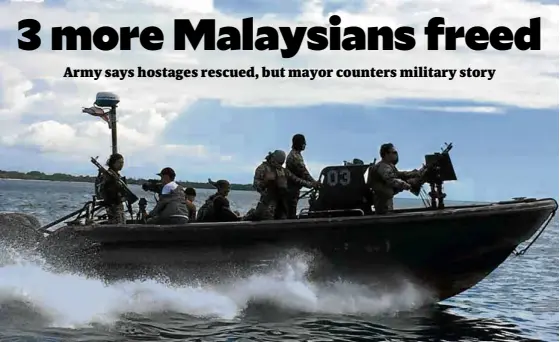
(504, 130)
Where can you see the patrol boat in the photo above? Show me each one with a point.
(445, 249)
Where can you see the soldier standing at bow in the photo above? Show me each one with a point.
(111, 191)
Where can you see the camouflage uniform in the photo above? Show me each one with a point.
(296, 165)
(116, 214)
(113, 198)
(272, 192)
(386, 181)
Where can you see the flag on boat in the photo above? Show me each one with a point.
(99, 112)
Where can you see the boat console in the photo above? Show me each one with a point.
(344, 193)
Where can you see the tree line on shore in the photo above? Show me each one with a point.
(62, 177)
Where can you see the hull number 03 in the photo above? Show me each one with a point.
(338, 177)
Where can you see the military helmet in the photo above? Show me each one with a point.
(278, 157)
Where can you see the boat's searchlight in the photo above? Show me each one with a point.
(107, 99)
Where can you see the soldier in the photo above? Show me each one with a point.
(217, 208)
(386, 180)
(271, 182)
(111, 191)
(296, 165)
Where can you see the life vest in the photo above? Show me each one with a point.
(280, 183)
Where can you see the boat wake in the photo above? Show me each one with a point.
(31, 293)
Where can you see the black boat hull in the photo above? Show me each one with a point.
(446, 251)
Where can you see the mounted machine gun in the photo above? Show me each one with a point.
(437, 170)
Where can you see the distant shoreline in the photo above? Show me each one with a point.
(62, 177)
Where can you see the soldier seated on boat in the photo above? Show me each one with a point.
(108, 189)
(271, 182)
(217, 208)
(171, 207)
(385, 180)
(190, 194)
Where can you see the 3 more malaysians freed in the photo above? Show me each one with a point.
(296, 165)
(385, 180)
(271, 182)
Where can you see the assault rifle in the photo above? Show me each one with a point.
(131, 198)
(438, 168)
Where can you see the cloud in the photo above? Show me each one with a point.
(47, 117)
(455, 109)
(465, 109)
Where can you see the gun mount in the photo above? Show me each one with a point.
(438, 169)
